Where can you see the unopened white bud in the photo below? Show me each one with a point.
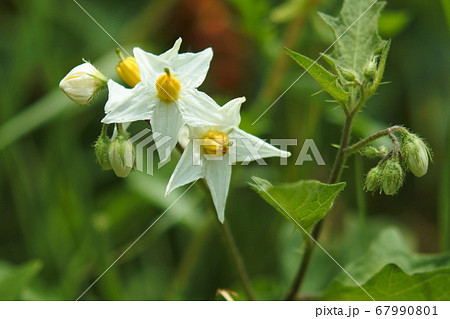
(121, 155)
(82, 82)
(416, 154)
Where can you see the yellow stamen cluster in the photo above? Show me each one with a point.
(168, 87)
(128, 71)
(216, 143)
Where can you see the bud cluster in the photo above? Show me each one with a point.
(117, 154)
(387, 177)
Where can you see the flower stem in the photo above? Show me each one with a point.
(237, 260)
(357, 146)
(233, 249)
(341, 156)
(230, 242)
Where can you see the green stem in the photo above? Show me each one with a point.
(104, 132)
(238, 262)
(361, 202)
(296, 284)
(334, 177)
(341, 156)
(119, 128)
(364, 142)
(231, 244)
(233, 249)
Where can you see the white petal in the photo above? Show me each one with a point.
(183, 137)
(230, 111)
(128, 105)
(166, 122)
(191, 68)
(248, 147)
(150, 67)
(199, 109)
(173, 52)
(187, 170)
(218, 175)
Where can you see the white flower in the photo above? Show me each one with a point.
(214, 148)
(82, 82)
(162, 96)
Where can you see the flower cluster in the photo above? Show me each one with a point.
(163, 91)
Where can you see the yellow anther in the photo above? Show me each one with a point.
(128, 71)
(216, 143)
(168, 87)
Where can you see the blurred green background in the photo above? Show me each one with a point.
(63, 220)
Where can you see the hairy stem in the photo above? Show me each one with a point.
(344, 151)
(364, 142)
(334, 177)
(340, 157)
(295, 286)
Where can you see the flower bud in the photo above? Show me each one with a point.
(216, 143)
(370, 151)
(82, 82)
(102, 146)
(416, 154)
(121, 155)
(371, 68)
(168, 86)
(349, 75)
(392, 176)
(373, 179)
(382, 150)
(128, 71)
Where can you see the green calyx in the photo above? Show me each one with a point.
(393, 176)
(101, 147)
(373, 179)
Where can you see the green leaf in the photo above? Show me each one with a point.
(391, 283)
(391, 247)
(304, 203)
(326, 79)
(356, 29)
(13, 280)
(392, 271)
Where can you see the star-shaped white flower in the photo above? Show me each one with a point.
(213, 149)
(162, 96)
